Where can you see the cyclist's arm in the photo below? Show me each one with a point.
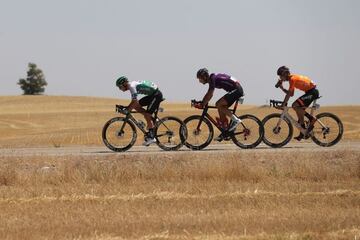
(283, 89)
(208, 96)
(132, 104)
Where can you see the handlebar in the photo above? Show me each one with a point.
(197, 104)
(275, 103)
(124, 110)
(121, 109)
(194, 102)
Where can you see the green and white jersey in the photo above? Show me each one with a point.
(143, 87)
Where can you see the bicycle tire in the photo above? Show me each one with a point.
(175, 134)
(109, 144)
(191, 143)
(327, 130)
(257, 129)
(270, 129)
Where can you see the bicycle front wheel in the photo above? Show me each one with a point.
(277, 131)
(328, 130)
(249, 133)
(169, 133)
(119, 134)
(198, 137)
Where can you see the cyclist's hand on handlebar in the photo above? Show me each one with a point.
(199, 105)
(122, 109)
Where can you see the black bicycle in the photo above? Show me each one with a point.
(200, 132)
(119, 134)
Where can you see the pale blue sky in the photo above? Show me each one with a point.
(84, 45)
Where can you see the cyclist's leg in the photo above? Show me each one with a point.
(306, 99)
(145, 101)
(229, 99)
(155, 102)
(299, 106)
(313, 94)
(222, 106)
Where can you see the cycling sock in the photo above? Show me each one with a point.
(151, 133)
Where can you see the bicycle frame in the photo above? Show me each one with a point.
(205, 114)
(139, 124)
(285, 114)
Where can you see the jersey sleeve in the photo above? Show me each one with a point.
(133, 92)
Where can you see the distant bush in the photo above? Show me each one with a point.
(35, 82)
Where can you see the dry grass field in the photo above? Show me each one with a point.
(32, 121)
(241, 195)
(262, 194)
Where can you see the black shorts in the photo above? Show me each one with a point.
(306, 99)
(233, 96)
(152, 101)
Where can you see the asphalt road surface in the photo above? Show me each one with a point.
(90, 151)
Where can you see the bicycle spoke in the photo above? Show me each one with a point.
(249, 133)
(119, 135)
(168, 133)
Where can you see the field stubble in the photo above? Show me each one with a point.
(214, 195)
(248, 195)
(33, 121)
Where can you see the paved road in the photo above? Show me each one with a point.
(86, 151)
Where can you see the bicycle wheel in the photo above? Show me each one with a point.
(328, 130)
(277, 131)
(119, 134)
(249, 133)
(169, 133)
(198, 138)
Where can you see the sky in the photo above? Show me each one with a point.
(82, 46)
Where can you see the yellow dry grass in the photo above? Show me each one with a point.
(240, 195)
(28, 121)
(265, 194)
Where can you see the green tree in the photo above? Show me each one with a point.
(35, 82)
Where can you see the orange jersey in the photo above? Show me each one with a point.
(300, 82)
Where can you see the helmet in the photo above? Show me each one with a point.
(202, 73)
(121, 80)
(282, 70)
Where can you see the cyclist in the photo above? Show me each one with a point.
(311, 93)
(234, 92)
(152, 99)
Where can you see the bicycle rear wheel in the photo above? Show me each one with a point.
(198, 138)
(277, 131)
(169, 133)
(249, 133)
(328, 130)
(119, 134)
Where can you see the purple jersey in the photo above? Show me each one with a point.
(223, 81)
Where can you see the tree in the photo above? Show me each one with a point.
(35, 82)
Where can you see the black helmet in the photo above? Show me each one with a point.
(120, 81)
(202, 73)
(282, 70)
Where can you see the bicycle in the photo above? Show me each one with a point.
(119, 134)
(328, 128)
(248, 134)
